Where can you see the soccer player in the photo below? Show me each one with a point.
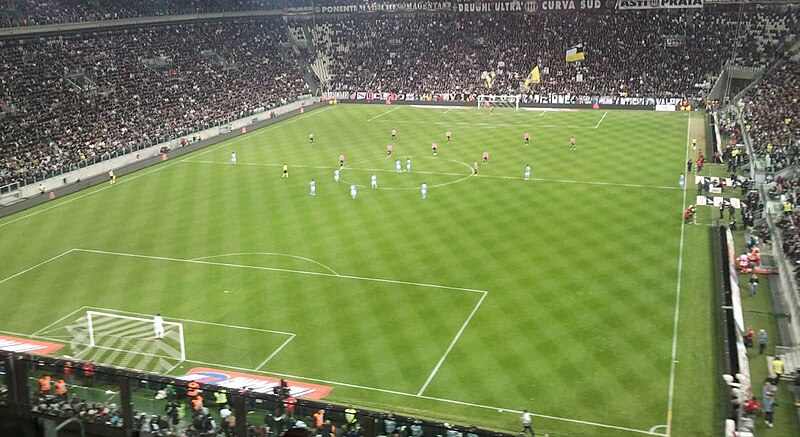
(486, 157)
(285, 171)
(341, 160)
(424, 189)
(527, 138)
(311, 137)
(434, 147)
(572, 143)
(374, 182)
(527, 171)
(394, 134)
(353, 191)
(336, 175)
(112, 178)
(475, 168)
(398, 166)
(158, 326)
(389, 150)
(694, 143)
(313, 185)
(233, 158)
(449, 135)
(681, 180)
(408, 165)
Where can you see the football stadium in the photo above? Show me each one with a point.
(348, 218)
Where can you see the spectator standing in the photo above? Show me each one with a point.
(753, 284)
(763, 338)
(769, 410)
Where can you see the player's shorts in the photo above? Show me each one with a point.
(341, 162)
(285, 171)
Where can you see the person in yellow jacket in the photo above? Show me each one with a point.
(777, 367)
(112, 177)
(350, 416)
(221, 398)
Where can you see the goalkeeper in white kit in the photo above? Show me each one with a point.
(158, 326)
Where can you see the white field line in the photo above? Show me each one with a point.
(448, 110)
(563, 181)
(383, 113)
(275, 352)
(269, 253)
(223, 325)
(601, 120)
(46, 328)
(167, 372)
(162, 166)
(672, 361)
(276, 269)
(450, 347)
(37, 265)
(543, 113)
(399, 393)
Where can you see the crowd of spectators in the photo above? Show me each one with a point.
(133, 88)
(771, 112)
(628, 53)
(44, 12)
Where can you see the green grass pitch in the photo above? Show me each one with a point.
(493, 295)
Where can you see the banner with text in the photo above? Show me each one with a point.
(530, 6)
(659, 4)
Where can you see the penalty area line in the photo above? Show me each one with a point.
(601, 120)
(452, 344)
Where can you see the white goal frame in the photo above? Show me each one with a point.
(507, 100)
(90, 326)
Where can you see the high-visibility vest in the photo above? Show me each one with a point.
(44, 384)
(319, 418)
(61, 387)
(350, 415)
(194, 389)
(221, 397)
(777, 367)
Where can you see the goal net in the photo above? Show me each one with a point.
(499, 101)
(126, 341)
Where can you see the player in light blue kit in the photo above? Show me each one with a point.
(398, 166)
(233, 158)
(527, 171)
(336, 175)
(408, 165)
(682, 180)
(353, 191)
(374, 182)
(313, 186)
(424, 189)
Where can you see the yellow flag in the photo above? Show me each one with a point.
(533, 77)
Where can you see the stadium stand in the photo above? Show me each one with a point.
(92, 95)
(45, 12)
(74, 91)
(446, 53)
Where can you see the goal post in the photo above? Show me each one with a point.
(500, 101)
(134, 334)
